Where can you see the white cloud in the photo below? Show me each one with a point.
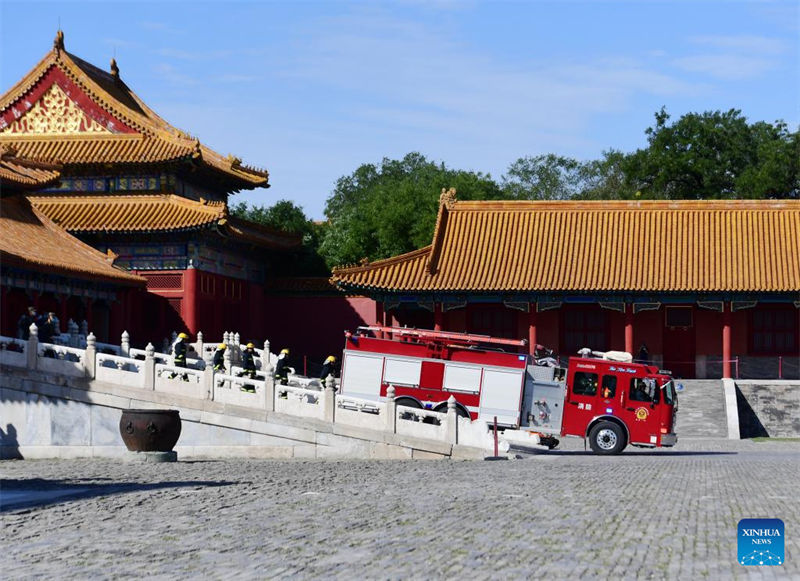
(734, 58)
(193, 55)
(428, 80)
(746, 44)
(173, 75)
(731, 67)
(161, 27)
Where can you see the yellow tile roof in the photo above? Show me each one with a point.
(30, 240)
(128, 213)
(152, 138)
(17, 174)
(649, 246)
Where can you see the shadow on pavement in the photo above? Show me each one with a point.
(18, 494)
(627, 453)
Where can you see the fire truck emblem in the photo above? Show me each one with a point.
(641, 414)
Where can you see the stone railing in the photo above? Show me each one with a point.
(303, 397)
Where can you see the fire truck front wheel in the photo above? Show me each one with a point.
(607, 438)
(460, 410)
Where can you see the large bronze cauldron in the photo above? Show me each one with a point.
(150, 430)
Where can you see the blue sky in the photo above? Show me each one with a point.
(311, 90)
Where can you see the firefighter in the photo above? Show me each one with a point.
(327, 367)
(179, 354)
(249, 362)
(24, 324)
(644, 355)
(219, 358)
(282, 367)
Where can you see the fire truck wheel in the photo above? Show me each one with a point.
(607, 438)
(408, 402)
(460, 411)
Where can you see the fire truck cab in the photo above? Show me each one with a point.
(602, 397)
(606, 399)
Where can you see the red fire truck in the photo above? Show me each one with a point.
(602, 397)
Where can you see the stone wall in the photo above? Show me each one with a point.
(768, 408)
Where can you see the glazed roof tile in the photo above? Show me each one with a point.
(131, 213)
(128, 213)
(17, 174)
(30, 240)
(140, 135)
(649, 246)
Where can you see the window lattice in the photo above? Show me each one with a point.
(165, 281)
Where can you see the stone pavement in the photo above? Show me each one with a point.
(566, 515)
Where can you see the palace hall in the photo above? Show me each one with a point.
(711, 288)
(147, 195)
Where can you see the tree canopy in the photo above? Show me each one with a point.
(384, 210)
(286, 216)
(715, 155)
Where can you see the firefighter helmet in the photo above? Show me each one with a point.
(183, 336)
(330, 359)
(250, 346)
(222, 346)
(284, 351)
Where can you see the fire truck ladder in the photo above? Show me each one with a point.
(443, 336)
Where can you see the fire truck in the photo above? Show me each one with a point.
(603, 397)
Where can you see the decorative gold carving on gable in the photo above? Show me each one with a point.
(54, 114)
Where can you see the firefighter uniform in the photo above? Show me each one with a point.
(282, 368)
(219, 358)
(327, 367)
(248, 361)
(179, 350)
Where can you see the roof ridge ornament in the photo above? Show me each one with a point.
(114, 69)
(58, 42)
(447, 198)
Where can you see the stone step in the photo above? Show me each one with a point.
(701, 409)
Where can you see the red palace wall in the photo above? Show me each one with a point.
(313, 326)
(193, 300)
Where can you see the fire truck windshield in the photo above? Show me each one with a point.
(669, 392)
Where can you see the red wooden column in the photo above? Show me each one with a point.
(63, 315)
(379, 316)
(629, 328)
(190, 299)
(726, 340)
(438, 316)
(532, 340)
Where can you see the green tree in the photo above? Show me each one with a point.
(286, 216)
(604, 179)
(384, 210)
(544, 177)
(775, 171)
(714, 155)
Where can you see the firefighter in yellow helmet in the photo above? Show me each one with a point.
(179, 353)
(282, 367)
(248, 361)
(219, 358)
(328, 367)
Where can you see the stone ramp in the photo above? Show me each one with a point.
(701, 409)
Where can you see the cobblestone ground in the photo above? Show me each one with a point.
(653, 515)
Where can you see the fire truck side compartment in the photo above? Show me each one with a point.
(543, 402)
